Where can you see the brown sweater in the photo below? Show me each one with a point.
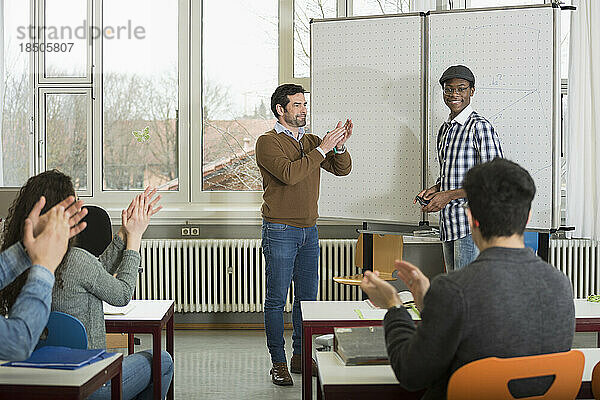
(291, 182)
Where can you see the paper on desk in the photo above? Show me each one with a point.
(405, 297)
(378, 314)
(113, 310)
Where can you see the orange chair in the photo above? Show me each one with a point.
(596, 381)
(488, 378)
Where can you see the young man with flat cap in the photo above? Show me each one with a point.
(464, 140)
(290, 163)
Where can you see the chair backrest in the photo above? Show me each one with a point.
(596, 381)
(488, 378)
(64, 330)
(386, 249)
(96, 237)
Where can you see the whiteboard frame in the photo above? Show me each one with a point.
(556, 94)
(556, 98)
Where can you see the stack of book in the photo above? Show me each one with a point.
(361, 346)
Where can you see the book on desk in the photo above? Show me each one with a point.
(361, 345)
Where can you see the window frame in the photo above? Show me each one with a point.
(42, 142)
(41, 57)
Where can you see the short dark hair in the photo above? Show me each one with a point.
(280, 95)
(499, 194)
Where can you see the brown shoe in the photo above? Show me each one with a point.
(280, 374)
(296, 365)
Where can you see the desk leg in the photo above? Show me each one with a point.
(306, 362)
(156, 364)
(171, 350)
(319, 392)
(130, 343)
(116, 386)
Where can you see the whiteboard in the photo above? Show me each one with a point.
(510, 52)
(370, 70)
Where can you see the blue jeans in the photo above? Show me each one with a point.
(137, 377)
(459, 253)
(291, 254)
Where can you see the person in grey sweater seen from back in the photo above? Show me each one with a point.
(507, 303)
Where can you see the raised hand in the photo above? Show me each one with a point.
(72, 210)
(414, 279)
(332, 138)
(135, 219)
(48, 247)
(348, 127)
(381, 293)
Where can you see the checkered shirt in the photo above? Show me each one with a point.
(467, 140)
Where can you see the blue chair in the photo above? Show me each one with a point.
(64, 330)
(531, 241)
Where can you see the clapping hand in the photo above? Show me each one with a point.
(381, 293)
(348, 132)
(414, 279)
(135, 219)
(71, 208)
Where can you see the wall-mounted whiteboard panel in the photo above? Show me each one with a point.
(369, 70)
(511, 55)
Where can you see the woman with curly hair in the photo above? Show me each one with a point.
(84, 281)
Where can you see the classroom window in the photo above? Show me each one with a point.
(67, 132)
(239, 67)
(15, 95)
(503, 3)
(304, 10)
(140, 95)
(66, 25)
(377, 7)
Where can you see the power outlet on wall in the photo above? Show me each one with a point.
(190, 231)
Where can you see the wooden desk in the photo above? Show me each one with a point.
(338, 381)
(41, 383)
(148, 316)
(320, 317)
(587, 317)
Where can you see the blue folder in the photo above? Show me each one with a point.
(57, 357)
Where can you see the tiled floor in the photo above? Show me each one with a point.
(211, 364)
(214, 364)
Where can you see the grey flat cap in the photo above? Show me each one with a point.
(458, 71)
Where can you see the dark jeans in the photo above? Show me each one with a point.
(291, 254)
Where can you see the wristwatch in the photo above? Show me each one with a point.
(342, 150)
(396, 306)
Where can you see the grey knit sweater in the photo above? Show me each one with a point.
(507, 303)
(87, 281)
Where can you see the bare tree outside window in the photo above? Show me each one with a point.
(239, 75)
(15, 97)
(141, 97)
(304, 11)
(66, 135)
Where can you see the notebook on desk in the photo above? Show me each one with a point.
(361, 346)
(114, 310)
(58, 357)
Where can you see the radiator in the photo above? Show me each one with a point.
(578, 259)
(228, 275)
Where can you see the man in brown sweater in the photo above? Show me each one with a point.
(290, 163)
